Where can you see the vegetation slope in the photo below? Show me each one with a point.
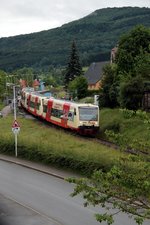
(95, 34)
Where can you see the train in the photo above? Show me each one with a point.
(82, 118)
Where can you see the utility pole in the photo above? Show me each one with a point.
(15, 126)
(14, 101)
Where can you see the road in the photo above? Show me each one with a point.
(33, 197)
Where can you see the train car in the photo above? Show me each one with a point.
(79, 117)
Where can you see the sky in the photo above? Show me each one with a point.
(28, 16)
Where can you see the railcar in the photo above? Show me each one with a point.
(80, 117)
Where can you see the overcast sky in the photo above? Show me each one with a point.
(27, 16)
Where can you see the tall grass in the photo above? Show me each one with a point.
(133, 129)
(39, 142)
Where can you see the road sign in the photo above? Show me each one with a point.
(15, 127)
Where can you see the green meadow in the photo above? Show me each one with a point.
(43, 143)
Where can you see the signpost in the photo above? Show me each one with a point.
(15, 125)
(15, 130)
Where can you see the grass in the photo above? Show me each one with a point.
(40, 142)
(1, 105)
(133, 129)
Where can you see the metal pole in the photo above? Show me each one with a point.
(16, 154)
(14, 102)
(15, 119)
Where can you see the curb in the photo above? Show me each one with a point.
(37, 167)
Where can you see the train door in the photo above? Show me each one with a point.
(64, 118)
(36, 106)
(49, 107)
(28, 102)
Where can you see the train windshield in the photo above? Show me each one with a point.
(88, 113)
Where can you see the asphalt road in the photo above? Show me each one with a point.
(31, 197)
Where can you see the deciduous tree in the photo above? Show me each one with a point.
(124, 188)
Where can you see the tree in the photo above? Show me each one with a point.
(26, 74)
(109, 87)
(2, 84)
(78, 87)
(131, 93)
(142, 66)
(130, 46)
(123, 188)
(74, 68)
(133, 63)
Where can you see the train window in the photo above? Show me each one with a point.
(75, 112)
(32, 104)
(56, 113)
(45, 108)
(70, 116)
(88, 113)
(37, 105)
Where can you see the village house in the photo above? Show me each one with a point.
(113, 54)
(94, 75)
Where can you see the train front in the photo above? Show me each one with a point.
(88, 120)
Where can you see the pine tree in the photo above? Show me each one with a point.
(74, 68)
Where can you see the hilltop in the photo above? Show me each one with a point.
(95, 35)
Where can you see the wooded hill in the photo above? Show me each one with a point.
(95, 36)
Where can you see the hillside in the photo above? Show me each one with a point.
(95, 35)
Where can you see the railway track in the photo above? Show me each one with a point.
(107, 143)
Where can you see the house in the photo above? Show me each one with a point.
(113, 54)
(36, 84)
(94, 75)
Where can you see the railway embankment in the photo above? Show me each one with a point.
(42, 143)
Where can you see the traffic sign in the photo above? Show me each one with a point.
(15, 127)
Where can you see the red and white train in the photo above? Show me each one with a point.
(80, 117)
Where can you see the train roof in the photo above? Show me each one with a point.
(37, 93)
(72, 103)
(60, 101)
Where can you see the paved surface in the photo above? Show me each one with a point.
(6, 110)
(62, 174)
(12, 213)
(40, 194)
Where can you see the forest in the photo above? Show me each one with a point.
(95, 35)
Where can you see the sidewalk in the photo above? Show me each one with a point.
(6, 110)
(50, 170)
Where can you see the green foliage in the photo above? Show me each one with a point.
(78, 87)
(42, 143)
(96, 35)
(122, 125)
(2, 85)
(142, 65)
(124, 188)
(131, 93)
(132, 45)
(108, 92)
(124, 82)
(73, 69)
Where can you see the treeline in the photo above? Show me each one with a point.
(127, 78)
(95, 35)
